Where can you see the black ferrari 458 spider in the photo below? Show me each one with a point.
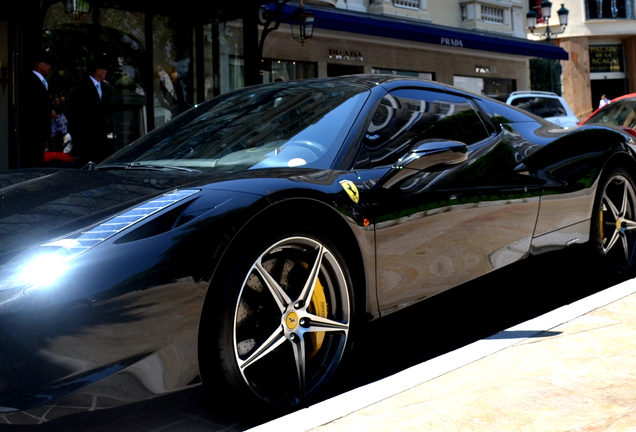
(238, 245)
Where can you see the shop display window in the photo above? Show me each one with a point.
(287, 70)
(158, 66)
(116, 39)
(425, 75)
(608, 9)
(497, 88)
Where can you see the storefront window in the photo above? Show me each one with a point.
(497, 88)
(120, 37)
(128, 103)
(231, 65)
(117, 42)
(609, 9)
(210, 87)
(425, 75)
(222, 57)
(158, 65)
(4, 98)
(281, 70)
(471, 84)
(172, 63)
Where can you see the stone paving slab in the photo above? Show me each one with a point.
(570, 370)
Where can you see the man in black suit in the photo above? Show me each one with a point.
(88, 115)
(38, 110)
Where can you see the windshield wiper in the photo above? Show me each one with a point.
(149, 167)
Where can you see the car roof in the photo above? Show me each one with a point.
(387, 81)
(533, 92)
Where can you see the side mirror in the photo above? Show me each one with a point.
(427, 155)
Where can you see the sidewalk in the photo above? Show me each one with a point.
(573, 369)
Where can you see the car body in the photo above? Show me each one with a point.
(239, 244)
(621, 112)
(547, 105)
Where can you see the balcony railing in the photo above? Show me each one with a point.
(408, 4)
(492, 14)
(474, 12)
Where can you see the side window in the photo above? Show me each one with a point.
(405, 117)
(540, 106)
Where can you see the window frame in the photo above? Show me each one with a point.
(365, 159)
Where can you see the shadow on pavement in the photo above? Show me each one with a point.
(474, 311)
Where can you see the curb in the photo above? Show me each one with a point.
(346, 403)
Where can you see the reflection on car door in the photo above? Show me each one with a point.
(440, 228)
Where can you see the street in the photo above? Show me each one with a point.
(429, 329)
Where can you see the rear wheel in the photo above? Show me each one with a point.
(614, 220)
(286, 323)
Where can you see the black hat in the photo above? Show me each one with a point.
(99, 63)
(42, 57)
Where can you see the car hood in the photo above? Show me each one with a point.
(38, 205)
(564, 121)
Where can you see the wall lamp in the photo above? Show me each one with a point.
(302, 24)
(301, 21)
(546, 13)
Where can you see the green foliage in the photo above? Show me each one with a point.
(540, 75)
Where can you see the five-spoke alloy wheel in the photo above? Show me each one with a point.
(614, 221)
(289, 321)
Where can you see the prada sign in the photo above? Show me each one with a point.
(345, 55)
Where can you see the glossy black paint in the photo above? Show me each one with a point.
(124, 323)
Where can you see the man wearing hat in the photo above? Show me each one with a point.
(88, 115)
(38, 111)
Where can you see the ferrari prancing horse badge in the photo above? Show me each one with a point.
(351, 189)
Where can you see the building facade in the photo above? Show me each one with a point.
(601, 40)
(164, 58)
(478, 45)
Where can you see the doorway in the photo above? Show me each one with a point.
(334, 70)
(613, 88)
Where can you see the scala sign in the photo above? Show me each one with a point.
(606, 58)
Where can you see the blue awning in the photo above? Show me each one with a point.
(395, 28)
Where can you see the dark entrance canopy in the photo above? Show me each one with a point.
(396, 28)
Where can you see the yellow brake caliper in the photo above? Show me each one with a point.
(602, 229)
(318, 307)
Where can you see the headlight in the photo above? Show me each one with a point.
(42, 265)
(38, 266)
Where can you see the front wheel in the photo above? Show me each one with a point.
(287, 320)
(613, 234)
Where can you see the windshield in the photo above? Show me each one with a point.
(279, 125)
(619, 113)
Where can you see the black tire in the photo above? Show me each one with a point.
(285, 319)
(613, 231)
